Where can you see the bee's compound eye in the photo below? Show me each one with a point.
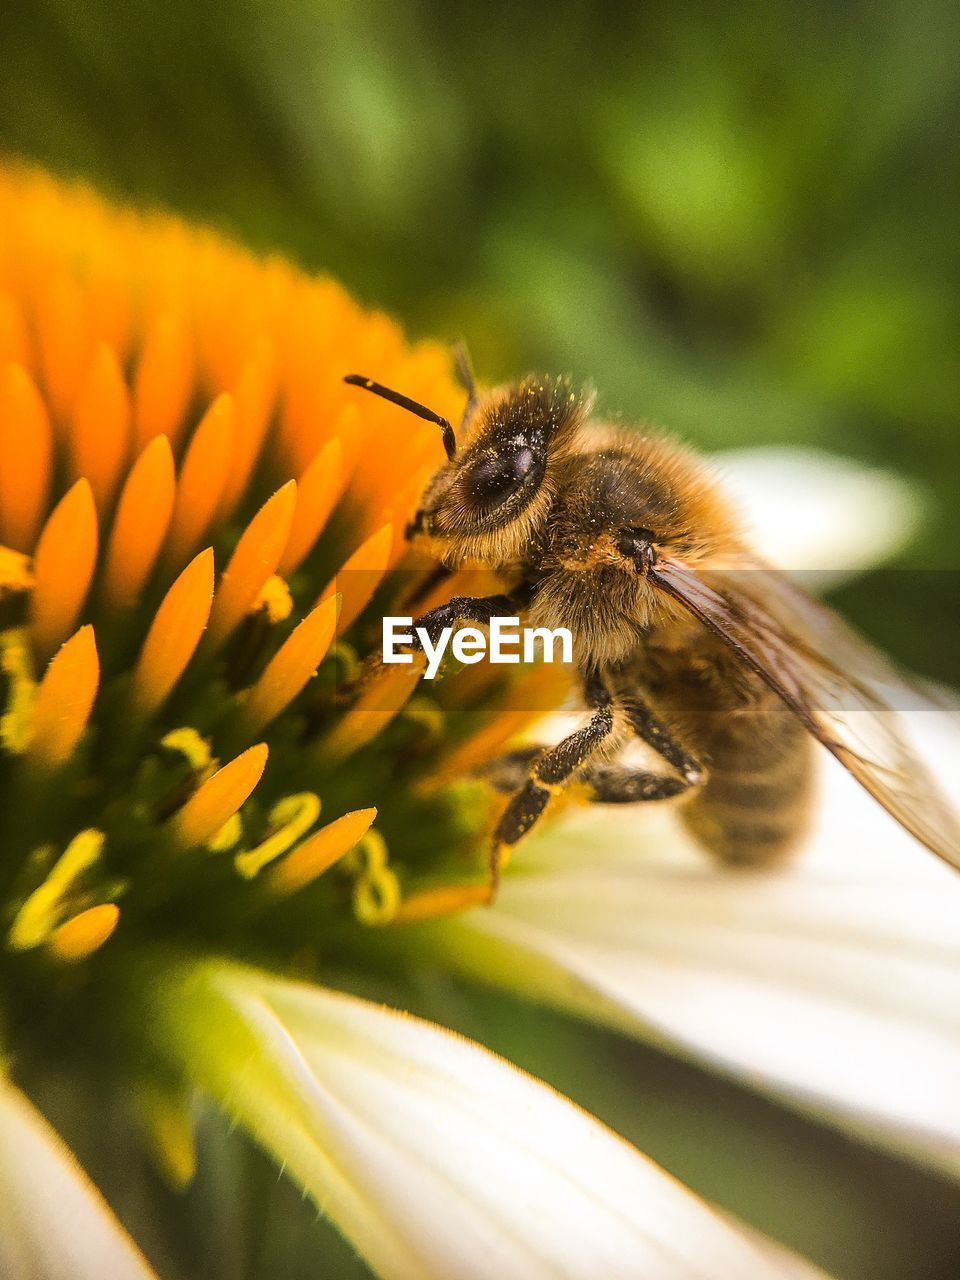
(496, 476)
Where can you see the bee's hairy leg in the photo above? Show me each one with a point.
(461, 608)
(612, 783)
(468, 609)
(549, 772)
(608, 782)
(651, 730)
(551, 769)
(478, 609)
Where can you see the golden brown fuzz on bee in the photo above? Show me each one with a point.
(609, 483)
(559, 503)
(682, 638)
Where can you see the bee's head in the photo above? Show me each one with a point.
(490, 499)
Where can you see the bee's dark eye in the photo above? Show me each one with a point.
(496, 476)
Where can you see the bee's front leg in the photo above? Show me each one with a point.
(549, 773)
(550, 770)
(479, 609)
(466, 609)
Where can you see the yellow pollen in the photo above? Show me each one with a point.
(63, 568)
(16, 576)
(218, 798)
(64, 700)
(16, 666)
(288, 821)
(189, 744)
(228, 837)
(376, 897)
(274, 601)
(46, 906)
(376, 889)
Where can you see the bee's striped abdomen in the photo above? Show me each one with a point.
(757, 800)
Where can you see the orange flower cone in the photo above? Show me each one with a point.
(200, 518)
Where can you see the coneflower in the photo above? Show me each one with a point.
(208, 787)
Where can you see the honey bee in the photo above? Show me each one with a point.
(683, 636)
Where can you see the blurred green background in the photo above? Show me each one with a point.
(737, 221)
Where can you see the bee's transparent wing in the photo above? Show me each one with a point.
(841, 688)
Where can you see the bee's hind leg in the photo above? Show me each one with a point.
(614, 783)
(549, 771)
(608, 782)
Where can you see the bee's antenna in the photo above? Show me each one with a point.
(412, 406)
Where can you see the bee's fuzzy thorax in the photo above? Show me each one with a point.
(616, 478)
(612, 481)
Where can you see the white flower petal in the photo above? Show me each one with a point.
(828, 516)
(54, 1224)
(834, 982)
(433, 1156)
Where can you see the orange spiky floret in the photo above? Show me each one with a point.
(99, 427)
(360, 576)
(164, 380)
(140, 525)
(317, 854)
(253, 562)
(318, 487)
(291, 667)
(63, 567)
(193, 482)
(65, 699)
(26, 447)
(216, 801)
(202, 481)
(85, 932)
(174, 634)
